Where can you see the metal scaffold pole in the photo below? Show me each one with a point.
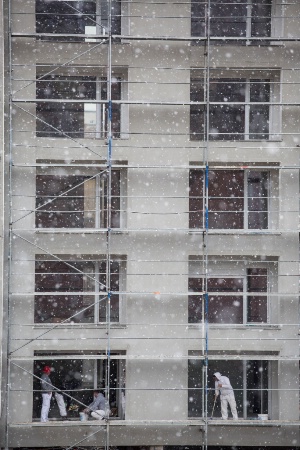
(206, 223)
(108, 207)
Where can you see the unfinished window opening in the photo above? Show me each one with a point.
(229, 18)
(78, 378)
(78, 201)
(76, 17)
(237, 199)
(83, 117)
(76, 291)
(249, 379)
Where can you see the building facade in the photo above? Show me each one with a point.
(151, 221)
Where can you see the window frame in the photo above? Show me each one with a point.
(198, 98)
(249, 25)
(57, 103)
(99, 18)
(195, 395)
(225, 269)
(99, 198)
(98, 360)
(195, 200)
(93, 295)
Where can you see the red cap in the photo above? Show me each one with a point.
(47, 369)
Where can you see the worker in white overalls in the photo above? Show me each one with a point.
(223, 386)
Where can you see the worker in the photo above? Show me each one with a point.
(223, 386)
(47, 389)
(98, 406)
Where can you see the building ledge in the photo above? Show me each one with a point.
(220, 231)
(85, 326)
(248, 326)
(192, 422)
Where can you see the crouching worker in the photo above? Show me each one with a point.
(97, 408)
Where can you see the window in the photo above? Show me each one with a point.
(77, 201)
(226, 298)
(76, 17)
(77, 375)
(237, 292)
(79, 118)
(249, 379)
(229, 18)
(239, 108)
(75, 291)
(237, 199)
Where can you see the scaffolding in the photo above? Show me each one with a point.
(133, 199)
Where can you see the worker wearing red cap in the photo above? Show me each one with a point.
(47, 390)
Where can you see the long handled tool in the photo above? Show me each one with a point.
(212, 413)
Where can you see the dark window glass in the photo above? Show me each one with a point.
(225, 308)
(225, 199)
(78, 378)
(258, 200)
(197, 112)
(261, 18)
(195, 301)
(198, 18)
(221, 308)
(259, 114)
(66, 277)
(76, 17)
(61, 119)
(228, 18)
(195, 389)
(257, 305)
(257, 388)
(227, 121)
(80, 119)
(76, 201)
(196, 198)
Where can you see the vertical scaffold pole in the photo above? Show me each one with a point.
(108, 224)
(206, 206)
(7, 14)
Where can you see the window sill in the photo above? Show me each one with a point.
(91, 326)
(79, 230)
(244, 326)
(239, 141)
(234, 231)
